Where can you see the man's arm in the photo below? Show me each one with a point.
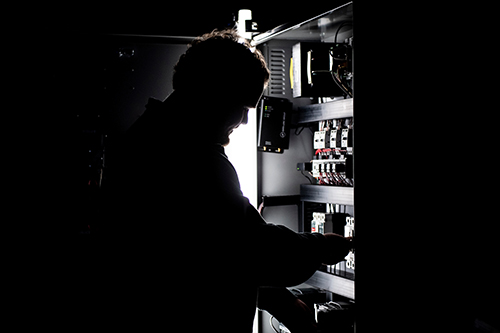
(276, 255)
(283, 257)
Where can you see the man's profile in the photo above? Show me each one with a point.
(182, 244)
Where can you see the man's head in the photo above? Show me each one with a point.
(224, 77)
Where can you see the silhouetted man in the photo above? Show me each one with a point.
(183, 248)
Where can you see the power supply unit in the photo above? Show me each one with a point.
(321, 69)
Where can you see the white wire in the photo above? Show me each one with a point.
(297, 290)
(337, 304)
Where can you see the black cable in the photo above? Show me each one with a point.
(301, 129)
(303, 174)
(340, 26)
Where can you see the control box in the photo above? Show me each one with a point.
(273, 124)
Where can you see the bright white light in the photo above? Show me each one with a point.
(243, 14)
(242, 152)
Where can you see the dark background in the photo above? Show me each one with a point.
(171, 18)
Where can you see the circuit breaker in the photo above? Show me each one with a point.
(321, 139)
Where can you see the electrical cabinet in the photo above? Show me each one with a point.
(312, 65)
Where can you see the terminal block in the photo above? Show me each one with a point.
(333, 171)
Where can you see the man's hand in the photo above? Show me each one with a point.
(338, 248)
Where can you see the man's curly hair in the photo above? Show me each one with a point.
(220, 62)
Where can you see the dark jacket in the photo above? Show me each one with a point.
(181, 245)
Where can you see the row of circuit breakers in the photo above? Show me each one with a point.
(332, 163)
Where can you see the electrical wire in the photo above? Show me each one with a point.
(336, 304)
(261, 207)
(340, 85)
(301, 129)
(297, 290)
(309, 179)
(326, 150)
(338, 29)
(332, 178)
(337, 81)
